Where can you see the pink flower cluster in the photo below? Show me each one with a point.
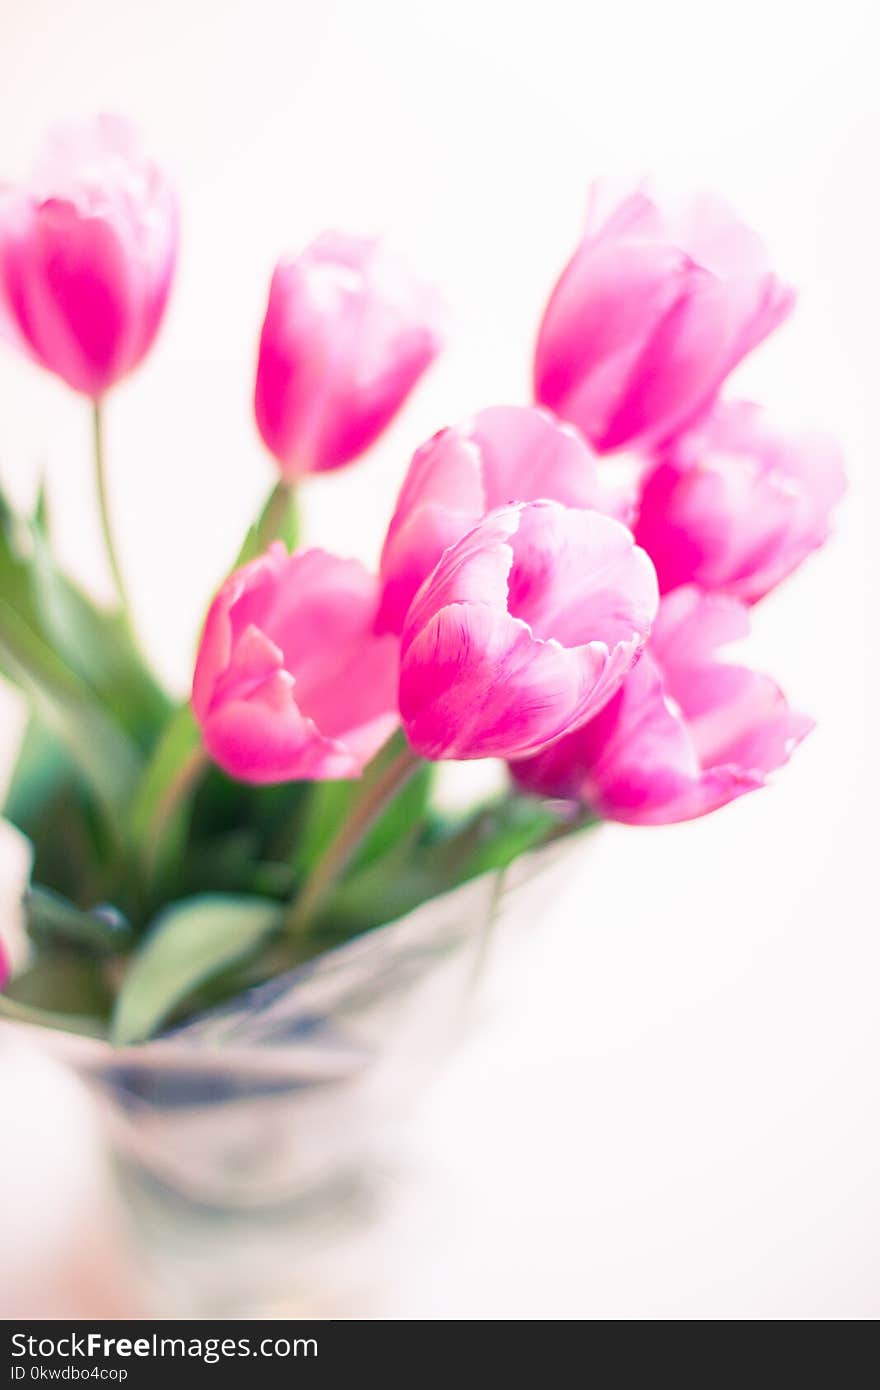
(517, 612)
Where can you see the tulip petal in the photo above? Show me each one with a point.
(653, 311)
(595, 326)
(442, 497)
(685, 734)
(237, 607)
(290, 680)
(87, 254)
(347, 335)
(734, 715)
(576, 577)
(525, 454)
(525, 628)
(736, 505)
(505, 454)
(266, 739)
(411, 552)
(475, 685)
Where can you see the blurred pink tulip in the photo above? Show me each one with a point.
(4, 966)
(505, 454)
(87, 254)
(735, 505)
(524, 629)
(290, 681)
(651, 314)
(686, 733)
(347, 335)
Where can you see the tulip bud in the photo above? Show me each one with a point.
(87, 254)
(505, 454)
(291, 682)
(523, 631)
(735, 505)
(650, 316)
(685, 734)
(347, 335)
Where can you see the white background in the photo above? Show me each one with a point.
(674, 1112)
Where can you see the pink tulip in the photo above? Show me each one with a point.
(4, 966)
(650, 315)
(290, 681)
(686, 733)
(523, 631)
(505, 454)
(736, 506)
(87, 253)
(347, 335)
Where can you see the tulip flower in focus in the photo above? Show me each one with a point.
(523, 631)
(87, 254)
(505, 454)
(686, 733)
(290, 681)
(650, 316)
(736, 505)
(347, 334)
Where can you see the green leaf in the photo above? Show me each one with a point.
(401, 820)
(380, 893)
(51, 918)
(53, 806)
(275, 813)
(64, 982)
(278, 521)
(232, 863)
(96, 645)
(44, 647)
(85, 1024)
(189, 943)
(330, 803)
(41, 770)
(15, 584)
(489, 839)
(92, 643)
(162, 808)
(41, 510)
(497, 834)
(100, 749)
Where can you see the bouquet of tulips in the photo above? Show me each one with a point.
(554, 590)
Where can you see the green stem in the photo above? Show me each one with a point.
(584, 820)
(171, 801)
(278, 521)
(377, 793)
(104, 508)
(273, 522)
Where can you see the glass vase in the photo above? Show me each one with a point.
(246, 1140)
